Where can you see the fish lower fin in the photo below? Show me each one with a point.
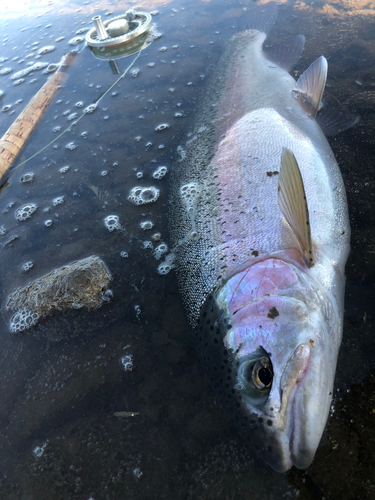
(333, 117)
(286, 54)
(259, 17)
(291, 198)
(310, 86)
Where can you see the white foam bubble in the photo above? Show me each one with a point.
(162, 126)
(189, 195)
(127, 362)
(146, 224)
(112, 222)
(26, 211)
(22, 320)
(50, 68)
(160, 173)
(168, 264)
(27, 266)
(58, 201)
(90, 109)
(160, 250)
(29, 177)
(46, 50)
(63, 170)
(71, 146)
(76, 40)
(48, 223)
(143, 196)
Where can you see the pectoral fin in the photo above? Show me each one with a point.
(310, 86)
(292, 202)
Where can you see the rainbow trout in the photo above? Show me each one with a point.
(260, 229)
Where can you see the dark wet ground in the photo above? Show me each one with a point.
(62, 384)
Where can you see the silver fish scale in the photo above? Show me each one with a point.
(233, 147)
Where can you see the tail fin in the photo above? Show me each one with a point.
(259, 17)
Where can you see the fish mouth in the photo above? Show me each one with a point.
(300, 449)
(301, 453)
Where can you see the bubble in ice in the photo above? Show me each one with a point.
(79, 104)
(139, 175)
(162, 126)
(48, 223)
(27, 266)
(142, 196)
(2, 230)
(124, 254)
(56, 129)
(72, 116)
(156, 237)
(82, 30)
(151, 64)
(6, 108)
(162, 49)
(160, 250)
(58, 201)
(168, 264)
(146, 224)
(103, 173)
(160, 172)
(71, 146)
(29, 177)
(178, 114)
(60, 39)
(46, 50)
(19, 81)
(90, 109)
(76, 40)
(134, 72)
(63, 170)
(5, 71)
(26, 211)
(112, 222)
(22, 320)
(65, 113)
(127, 362)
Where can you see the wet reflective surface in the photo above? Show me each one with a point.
(113, 402)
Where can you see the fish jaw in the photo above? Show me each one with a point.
(274, 311)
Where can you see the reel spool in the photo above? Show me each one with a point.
(120, 36)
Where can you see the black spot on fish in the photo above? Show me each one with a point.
(255, 253)
(273, 313)
(269, 423)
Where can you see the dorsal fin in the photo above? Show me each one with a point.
(292, 202)
(286, 54)
(310, 86)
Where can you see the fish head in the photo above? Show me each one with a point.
(273, 366)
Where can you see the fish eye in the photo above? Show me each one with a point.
(255, 374)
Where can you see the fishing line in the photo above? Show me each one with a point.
(89, 109)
